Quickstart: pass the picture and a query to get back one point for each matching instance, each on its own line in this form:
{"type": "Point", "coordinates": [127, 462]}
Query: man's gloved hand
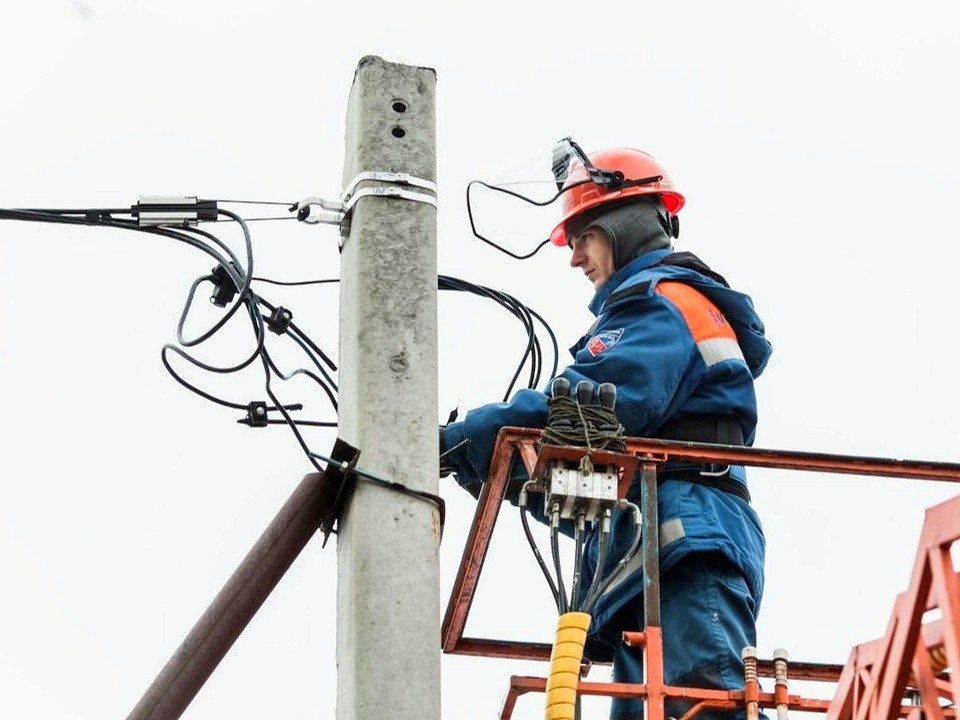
{"type": "Point", "coordinates": [446, 468]}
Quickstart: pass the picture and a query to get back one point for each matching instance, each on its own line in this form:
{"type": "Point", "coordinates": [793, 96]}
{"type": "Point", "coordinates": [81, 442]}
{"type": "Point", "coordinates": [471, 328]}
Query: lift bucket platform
{"type": "Point", "coordinates": [910, 659]}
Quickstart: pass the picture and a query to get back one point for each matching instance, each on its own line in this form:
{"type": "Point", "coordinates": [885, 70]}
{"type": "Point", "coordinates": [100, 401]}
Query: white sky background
{"type": "Point", "coordinates": [816, 144]}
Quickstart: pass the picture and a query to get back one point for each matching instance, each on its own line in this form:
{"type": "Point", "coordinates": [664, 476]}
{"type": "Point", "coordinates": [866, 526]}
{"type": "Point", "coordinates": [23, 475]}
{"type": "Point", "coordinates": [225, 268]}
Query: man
{"type": "Point", "coordinates": [683, 350]}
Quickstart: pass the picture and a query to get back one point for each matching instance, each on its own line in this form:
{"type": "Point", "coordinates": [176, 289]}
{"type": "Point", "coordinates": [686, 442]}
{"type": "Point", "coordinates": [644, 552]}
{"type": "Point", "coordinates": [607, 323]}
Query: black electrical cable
{"type": "Point", "coordinates": [532, 352]}
{"type": "Point", "coordinates": [309, 353]}
{"type": "Point", "coordinates": [242, 291]}
{"type": "Point", "coordinates": [601, 588]}
{"type": "Point", "coordinates": [241, 276]}
{"type": "Point", "coordinates": [323, 356]}
{"type": "Point", "coordinates": [435, 500]}
{"type": "Point", "coordinates": [555, 551]}
{"type": "Point", "coordinates": [295, 282]}
{"type": "Point", "coordinates": [301, 371]}
{"type": "Point", "coordinates": [577, 563]}
{"type": "Point", "coordinates": [216, 241]}
{"type": "Point", "coordinates": [242, 284]}
{"type": "Point", "coordinates": [539, 557]}
{"type": "Point", "coordinates": [601, 565]}
{"type": "Point", "coordinates": [518, 310]}
{"type": "Point", "coordinates": [233, 272]}
{"type": "Point", "coordinates": [525, 315]}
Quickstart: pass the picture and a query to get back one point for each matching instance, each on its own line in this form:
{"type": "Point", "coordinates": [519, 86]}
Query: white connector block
{"type": "Point", "coordinates": [581, 494]}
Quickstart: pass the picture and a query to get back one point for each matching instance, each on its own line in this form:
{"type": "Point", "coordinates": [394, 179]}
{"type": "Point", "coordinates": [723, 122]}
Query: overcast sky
{"type": "Point", "coordinates": [816, 145]}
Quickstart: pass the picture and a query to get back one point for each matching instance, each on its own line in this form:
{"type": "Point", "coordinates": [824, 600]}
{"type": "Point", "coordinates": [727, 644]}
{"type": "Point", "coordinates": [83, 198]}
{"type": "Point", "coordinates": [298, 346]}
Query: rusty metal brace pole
{"type": "Point", "coordinates": [653, 655]}
{"type": "Point", "coordinates": [236, 604]}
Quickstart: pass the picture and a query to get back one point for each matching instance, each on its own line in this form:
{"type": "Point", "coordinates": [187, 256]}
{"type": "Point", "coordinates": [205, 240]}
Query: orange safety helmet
{"type": "Point", "coordinates": [630, 165]}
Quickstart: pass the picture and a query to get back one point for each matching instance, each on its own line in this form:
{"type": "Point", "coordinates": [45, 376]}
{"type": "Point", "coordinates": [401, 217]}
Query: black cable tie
{"type": "Point", "coordinates": [279, 320]}
{"type": "Point", "coordinates": [224, 289]}
{"type": "Point", "coordinates": [256, 415]}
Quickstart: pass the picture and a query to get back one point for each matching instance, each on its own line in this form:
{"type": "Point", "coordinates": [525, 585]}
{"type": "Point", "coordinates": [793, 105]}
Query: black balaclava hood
{"type": "Point", "coordinates": [635, 227]}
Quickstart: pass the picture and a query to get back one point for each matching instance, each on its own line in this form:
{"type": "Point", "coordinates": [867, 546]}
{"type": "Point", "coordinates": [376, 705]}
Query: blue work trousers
{"type": "Point", "coordinates": [708, 617]}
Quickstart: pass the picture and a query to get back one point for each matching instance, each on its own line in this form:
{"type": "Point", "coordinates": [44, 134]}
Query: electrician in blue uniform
{"type": "Point", "coordinates": [683, 350]}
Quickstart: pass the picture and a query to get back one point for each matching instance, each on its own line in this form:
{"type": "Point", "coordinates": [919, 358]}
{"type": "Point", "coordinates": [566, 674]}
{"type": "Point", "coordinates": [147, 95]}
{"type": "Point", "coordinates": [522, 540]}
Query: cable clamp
{"type": "Point", "coordinates": [256, 415]}
{"type": "Point", "coordinates": [279, 320]}
{"type": "Point", "coordinates": [224, 286]}
{"type": "Point", "coordinates": [180, 210]}
{"type": "Point", "coordinates": [314, 210]}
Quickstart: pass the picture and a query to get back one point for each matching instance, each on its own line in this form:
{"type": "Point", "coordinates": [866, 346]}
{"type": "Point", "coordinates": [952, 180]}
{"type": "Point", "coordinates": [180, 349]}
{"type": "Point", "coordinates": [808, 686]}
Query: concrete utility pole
{"type": "Point", "coordinates": [388, 605]}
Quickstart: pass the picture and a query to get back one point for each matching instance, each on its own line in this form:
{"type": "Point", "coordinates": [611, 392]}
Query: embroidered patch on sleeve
{"type": "Point", "coordinates": [604, 341]}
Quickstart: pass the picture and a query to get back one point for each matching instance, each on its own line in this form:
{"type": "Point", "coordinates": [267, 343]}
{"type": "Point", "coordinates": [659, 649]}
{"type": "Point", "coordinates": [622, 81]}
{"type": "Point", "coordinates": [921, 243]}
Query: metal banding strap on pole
{"type": "Point", "coordinates": [395, 178]}
{"type": "Point", "coordinates": [335, 212]}
{"type": "Point", "coordinates": [388, 192]}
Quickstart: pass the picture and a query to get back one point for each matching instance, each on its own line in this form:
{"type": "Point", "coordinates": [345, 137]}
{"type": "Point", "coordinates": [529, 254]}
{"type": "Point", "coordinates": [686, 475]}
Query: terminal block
{"type": "Point", "coordinates": [581, 489]}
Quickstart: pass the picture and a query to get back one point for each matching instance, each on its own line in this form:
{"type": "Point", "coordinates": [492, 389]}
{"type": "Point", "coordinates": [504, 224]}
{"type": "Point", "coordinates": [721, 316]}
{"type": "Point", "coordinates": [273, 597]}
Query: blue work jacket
{"type": "Point", "coordinates": [676, 343]}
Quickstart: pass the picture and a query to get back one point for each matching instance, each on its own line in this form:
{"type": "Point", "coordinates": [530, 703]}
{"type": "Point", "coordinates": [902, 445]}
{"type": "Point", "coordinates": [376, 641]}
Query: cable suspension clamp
{"type": "Point", "coordinates": [180, 210]}
{"type": "Point", "coordinates": [314, 210]}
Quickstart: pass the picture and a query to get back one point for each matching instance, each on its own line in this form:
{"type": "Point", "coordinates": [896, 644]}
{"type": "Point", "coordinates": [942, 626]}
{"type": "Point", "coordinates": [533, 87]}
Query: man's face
{"type": "Point", "coordinates": [593, 253]}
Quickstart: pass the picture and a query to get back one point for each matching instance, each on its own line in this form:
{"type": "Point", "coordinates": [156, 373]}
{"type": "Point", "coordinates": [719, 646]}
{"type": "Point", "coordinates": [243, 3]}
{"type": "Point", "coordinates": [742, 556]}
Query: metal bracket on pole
{"type": "Point", "coordinates": [314, 210]}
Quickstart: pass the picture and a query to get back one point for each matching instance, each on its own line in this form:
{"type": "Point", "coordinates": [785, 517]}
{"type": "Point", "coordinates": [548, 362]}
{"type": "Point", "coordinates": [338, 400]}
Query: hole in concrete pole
{"type": "Point", "coordinates": [398, 132]}
{"type": "Point", "coordinates": [399, 106]}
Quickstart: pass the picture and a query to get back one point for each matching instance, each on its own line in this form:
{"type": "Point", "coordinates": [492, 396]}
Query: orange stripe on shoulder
{"type": "Point", "coordinates": [703, 318]}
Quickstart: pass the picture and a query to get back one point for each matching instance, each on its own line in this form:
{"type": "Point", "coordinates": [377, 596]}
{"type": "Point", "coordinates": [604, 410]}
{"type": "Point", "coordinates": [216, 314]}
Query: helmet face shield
{"type": "Point", "coordinates": [517, 208]}
{"type": "Point", "coordinates": [520, 206]}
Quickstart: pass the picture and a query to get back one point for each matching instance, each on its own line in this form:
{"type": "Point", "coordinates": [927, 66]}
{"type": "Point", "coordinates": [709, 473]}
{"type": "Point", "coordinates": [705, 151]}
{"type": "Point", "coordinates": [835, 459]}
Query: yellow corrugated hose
{"type": "Point", "coordinates": [565, 662]}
